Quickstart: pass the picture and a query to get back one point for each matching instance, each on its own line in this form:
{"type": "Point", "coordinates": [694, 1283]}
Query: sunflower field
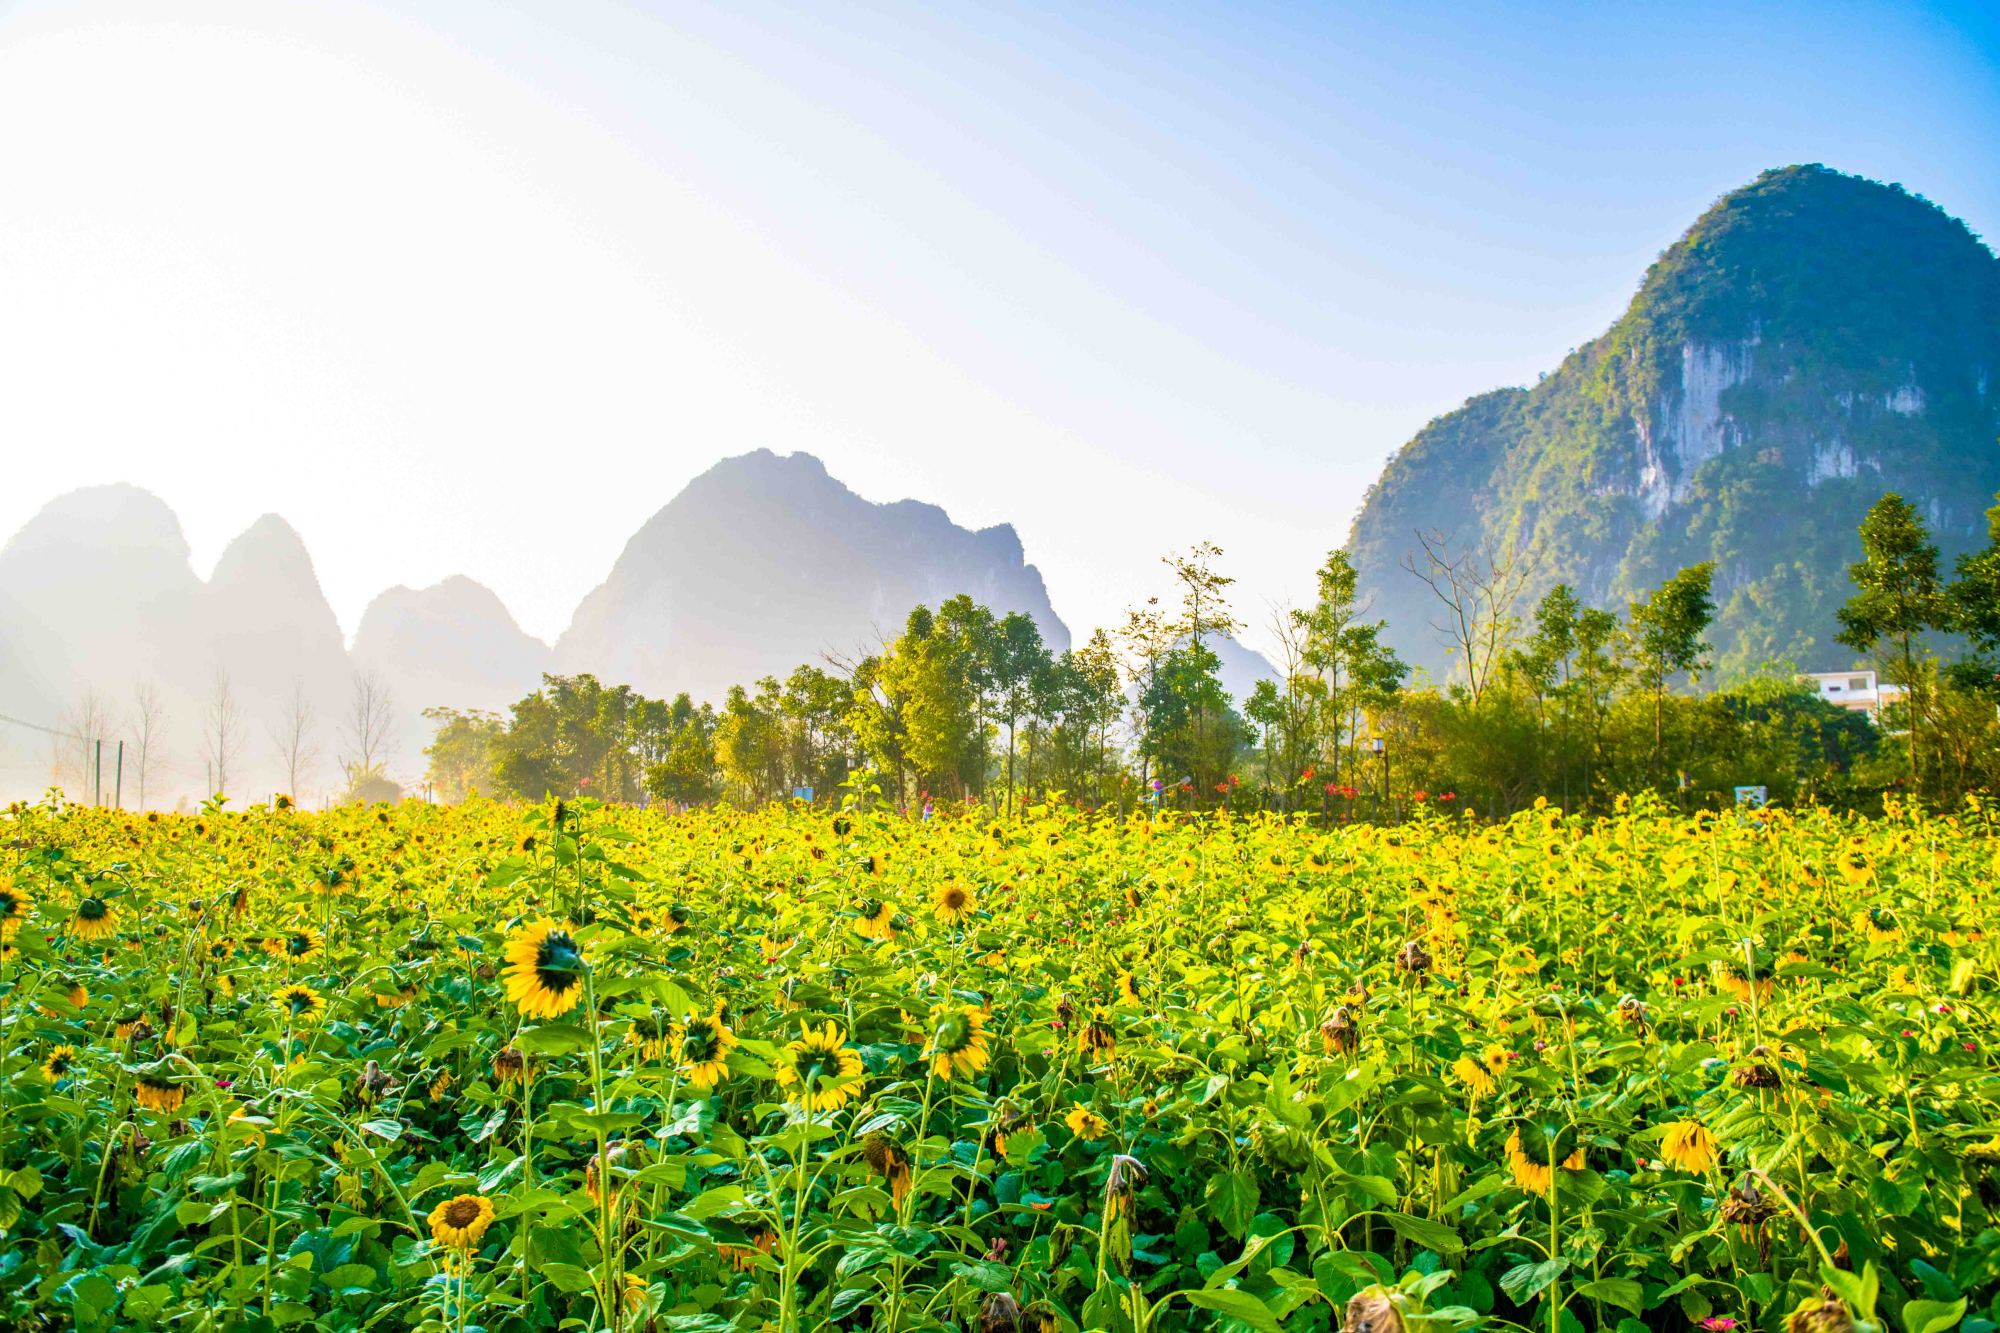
{"type": "Point", "coordinates": [598, 1067]}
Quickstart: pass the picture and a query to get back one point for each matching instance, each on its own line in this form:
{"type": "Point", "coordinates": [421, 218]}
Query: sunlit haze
{"type": "Point", "coordinates": [475, 288]}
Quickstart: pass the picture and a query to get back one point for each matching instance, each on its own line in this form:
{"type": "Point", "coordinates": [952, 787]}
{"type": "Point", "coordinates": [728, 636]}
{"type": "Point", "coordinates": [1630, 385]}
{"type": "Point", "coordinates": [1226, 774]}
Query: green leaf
{"type": "Point", "coordinates": [1622, 1292]}
{"type": "Point", "coordinates": [1231, 1199]}
{"type": "Point", "coordinates": [1422, 1231]}
{"type": "Point", "coordinates": [1858, 1290]}
{"type": "Point", "coordinates": [552, 1039]}
{"type": "Point", "coordinates": [1932, 1316]}
{"type": "Point", "coordinates": [1524, 1282]}
{"type": "Point", "coordinates": [723, 1198]}
{"type": "Point", "coordinates": [384, 1129]}
{"type": "Point", "coordinates": [567, 1277]}
{"type": "Point", "coordinates": [1237, 1305]}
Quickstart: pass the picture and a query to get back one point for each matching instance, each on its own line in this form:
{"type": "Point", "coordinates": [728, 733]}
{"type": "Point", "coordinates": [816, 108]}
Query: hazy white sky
{"type": "Point", "coordinates": [467, 287]}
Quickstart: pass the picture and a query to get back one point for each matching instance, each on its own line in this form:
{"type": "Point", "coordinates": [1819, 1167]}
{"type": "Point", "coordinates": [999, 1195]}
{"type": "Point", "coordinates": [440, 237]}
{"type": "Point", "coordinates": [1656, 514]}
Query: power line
{"type": "Point", "coordinates": [48, 731]}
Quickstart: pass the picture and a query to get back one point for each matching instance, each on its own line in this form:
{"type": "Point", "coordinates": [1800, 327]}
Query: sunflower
{"type": "Point", "coordinates": [302, 1001]}
{"type": "Point", "coordinates": [743, 1258]}
{"type": "Point", "coordinates": [675, 920]}
{"type": "Point", "coordinates": [1474, 1076]}
{"type": "Point", "coordinates": [1085, 1123]}
{"type": "Point", "coordinates": [1688, 1146]}
{"type": "Point", "coordinates": [544, 970]}
{"type": "Point", "coordinates": [877, 919]}
{"type": "Point", "coordinates": [702, 1046]}
{"type": "Point", "coordinates": [15, 904]}
{"type": "Point", "coordinates": [952, 903]}
{"type": "Point", "coordinates": [62, 1059]}
{"type": "Point", "coordinates": [1534, 1172]}
{"type": "Point", "coordinates": [821, 1070]}
{"type": "Point", "coordinates": [459, 1222]}
{"type": "Point", "coordinates": [395, 999]}
{"type": "Point", "coordinates": [128, 1024]}
{"type": "Point", "coordinates": [958, 1041]}
{"type": "Point", "coordinates": [157, 1094]}
{"type": "Point", "coordinates": [652, 1033]}
{"type": "Point", "coordinates": [303, 942]}
{"type": "Point", "coordinates": [1128, 989]}
{"type": "Point", "coordinates": [94, 919]}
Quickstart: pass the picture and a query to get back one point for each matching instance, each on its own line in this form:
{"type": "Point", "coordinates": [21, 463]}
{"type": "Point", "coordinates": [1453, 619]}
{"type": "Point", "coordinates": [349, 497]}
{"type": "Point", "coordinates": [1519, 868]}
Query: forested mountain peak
{"type": "Point", "coordinates": [1813, 340]}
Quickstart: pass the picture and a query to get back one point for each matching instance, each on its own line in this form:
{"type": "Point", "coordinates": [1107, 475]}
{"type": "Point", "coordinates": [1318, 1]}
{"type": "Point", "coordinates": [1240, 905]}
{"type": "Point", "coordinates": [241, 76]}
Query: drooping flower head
{"type": "Point", "coordinates": [544, 970]}
{"type": "Point", "coordinates": [958, 1041]}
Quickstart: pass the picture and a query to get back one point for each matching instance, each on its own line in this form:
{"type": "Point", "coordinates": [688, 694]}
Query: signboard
{"type": "Point", "coordinates": [802, 793]}
{"type": "Point", "coordinates": [1752, 797]}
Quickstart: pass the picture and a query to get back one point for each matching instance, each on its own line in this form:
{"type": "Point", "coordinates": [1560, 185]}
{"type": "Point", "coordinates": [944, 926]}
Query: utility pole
{"type": "Point", "coordinates": [97, 774]}
{"type": "Point", "coordinates": [118, 783]}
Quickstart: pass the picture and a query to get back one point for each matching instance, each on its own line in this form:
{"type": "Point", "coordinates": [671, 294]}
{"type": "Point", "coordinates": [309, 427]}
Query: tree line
{"type": "Point", "coordinates": [1558, 699]}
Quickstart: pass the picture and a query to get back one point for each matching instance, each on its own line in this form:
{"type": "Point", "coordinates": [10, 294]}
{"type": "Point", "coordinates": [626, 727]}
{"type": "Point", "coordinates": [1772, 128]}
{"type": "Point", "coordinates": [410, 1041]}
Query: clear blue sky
{"type": "Point", "coordinates": [500, 278]}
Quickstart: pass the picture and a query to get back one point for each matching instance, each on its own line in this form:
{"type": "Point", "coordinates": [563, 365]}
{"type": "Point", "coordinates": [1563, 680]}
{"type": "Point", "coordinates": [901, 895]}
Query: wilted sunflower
{"type": "Point", "coordinates": [952, 903]}
{"type": "Point", "coordinates": [1096, 1037]}
{"type": "Point", "coordinates": [303, 1002]}
{"type": "Point", "coordinates": [1339, 1033]}
{"type": "Point", "coordinates": [890, 1162]}
{"type": "Point", "coordinates": [157, 1094]}
{"type": "Point", "coordinates": [1688, 1146]}
{"type": "Point", "coordinates": [459, 1222]}
{"type": "Point", "coordinates": [94, 919]}
{"type": "Point", "coordinates": [15, 904]}
{"type": "Point", "coordinates": [958, 1042]}
{"type": "Point", "coordinates": [509, 1066]}
{"type": "Point", "coordinates": [701, 1046]}
{"type": "Point", "coordinates": [61, 1060]}
{"type": "Point", "coordinates": [820, 1070]}
{"type": "Point", "coordinates": [544, 970]}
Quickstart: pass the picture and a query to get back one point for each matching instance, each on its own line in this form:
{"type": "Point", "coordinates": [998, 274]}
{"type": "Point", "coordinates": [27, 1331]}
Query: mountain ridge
{"type": "Point", "coordinates": [1811, 341]}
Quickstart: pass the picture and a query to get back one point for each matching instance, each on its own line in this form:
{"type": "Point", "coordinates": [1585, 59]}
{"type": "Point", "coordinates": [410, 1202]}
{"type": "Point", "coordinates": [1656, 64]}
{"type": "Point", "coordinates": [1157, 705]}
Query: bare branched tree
{"type": "Point", "coordinates": [73, 756]}
{"type": "Point", "coordinates": [1477, 589]}
{"type": "Point", "coordinates": [221, 732]}
{"type": "Point", "coordinates": [149, 728]}
{"type": "Point", "coordinates": [294, 737]}
{"type": "Point", "coordinates": [370, 725]}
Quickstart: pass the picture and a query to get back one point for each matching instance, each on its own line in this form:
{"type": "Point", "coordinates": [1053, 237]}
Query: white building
{"type": "Point", "coordinates": [1855, 690]}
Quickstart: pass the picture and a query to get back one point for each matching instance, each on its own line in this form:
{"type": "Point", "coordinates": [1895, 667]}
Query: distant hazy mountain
{"type": "Point", "coordinates": [97, 598]}
{"type": "Point", "coordinates": [765, 561]}
{"type": "Point", "coordinates": [453, 643]}
{"type": "Point", "coordinates": [1813, 340]}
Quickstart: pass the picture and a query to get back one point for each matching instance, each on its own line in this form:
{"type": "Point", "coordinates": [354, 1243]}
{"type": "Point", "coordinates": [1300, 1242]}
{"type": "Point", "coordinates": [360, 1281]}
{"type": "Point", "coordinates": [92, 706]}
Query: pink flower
{"type": "Point", "coordinates": [1718, 1323]}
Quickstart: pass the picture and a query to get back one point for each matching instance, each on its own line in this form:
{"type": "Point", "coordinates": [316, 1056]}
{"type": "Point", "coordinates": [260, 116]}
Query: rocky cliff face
{"type": "Point", "coordinates": [1813, 341]}
{"type": "Point", "coordinates": [764, 562]}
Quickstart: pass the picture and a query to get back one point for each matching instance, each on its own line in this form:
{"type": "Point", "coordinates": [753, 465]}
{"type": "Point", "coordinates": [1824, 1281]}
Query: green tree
{"type": "Point", "coordinates": [1666, 639]}
{"type": "Point", "coordinates": [461, 752]}
{"type": "Point", "coordinates": [1896, 598]}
